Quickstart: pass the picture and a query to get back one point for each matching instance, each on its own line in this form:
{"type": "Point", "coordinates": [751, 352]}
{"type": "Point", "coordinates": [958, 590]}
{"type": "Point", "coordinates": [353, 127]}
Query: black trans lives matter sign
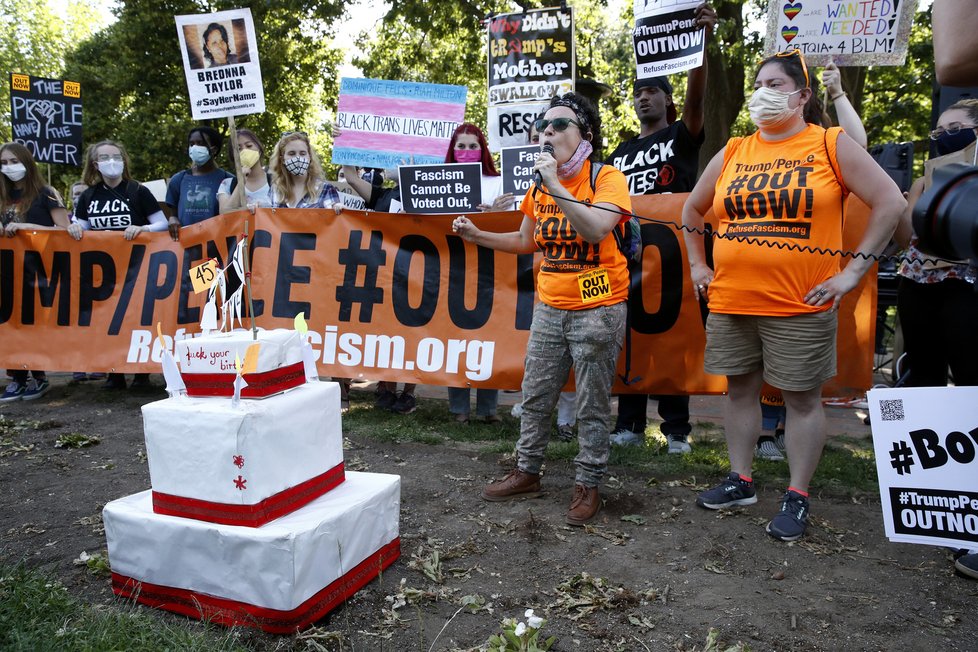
{"type": "Point", "coordinates": [441, 188]}
{"type": "Point", "coordinates": [46, 118]}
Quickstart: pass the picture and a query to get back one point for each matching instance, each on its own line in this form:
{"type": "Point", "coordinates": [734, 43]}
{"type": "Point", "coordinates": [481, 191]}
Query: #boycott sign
{"type": "Point", "coordinates": [926, 441]}
{"type": "Point", "coordinates": [531, 59]}
{"type": "Point", "coordinates": [46, 118]}
{"type": "Point", "coordinates": [220, 59]}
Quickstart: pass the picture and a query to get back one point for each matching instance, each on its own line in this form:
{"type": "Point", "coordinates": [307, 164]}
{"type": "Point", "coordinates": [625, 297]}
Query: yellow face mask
{"type": "Point", "coordinates": [248, 158]}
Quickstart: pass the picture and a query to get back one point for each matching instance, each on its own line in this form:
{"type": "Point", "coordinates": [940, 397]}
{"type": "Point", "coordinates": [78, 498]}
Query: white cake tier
{"type": "Point", "coordinates": [214, 353]}
{"type": "Point", "coordinates": [244, 464]}
{"type": "Point", "coordinates": [280, 577]}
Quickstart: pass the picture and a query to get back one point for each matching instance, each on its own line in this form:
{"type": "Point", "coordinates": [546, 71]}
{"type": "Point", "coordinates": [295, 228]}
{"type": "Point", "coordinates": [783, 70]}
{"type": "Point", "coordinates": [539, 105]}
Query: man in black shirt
{"type": "Point", "coordinates": [663, 158]}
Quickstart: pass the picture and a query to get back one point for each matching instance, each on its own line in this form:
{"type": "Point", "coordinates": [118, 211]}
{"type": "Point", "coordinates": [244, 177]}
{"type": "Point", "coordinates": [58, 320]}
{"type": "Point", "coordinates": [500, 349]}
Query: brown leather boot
{"type": "Point", "coordinates": [584, 506]}
{"type": "Point", "coordinates": [515, 485]}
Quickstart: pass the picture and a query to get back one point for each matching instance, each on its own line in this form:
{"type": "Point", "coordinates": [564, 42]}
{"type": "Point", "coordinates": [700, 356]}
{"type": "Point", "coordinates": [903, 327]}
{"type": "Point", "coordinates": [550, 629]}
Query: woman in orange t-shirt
{"type": "Point", "coordinates": [583, 286]}
{"type": "Point", "coordinates": [779, 195]}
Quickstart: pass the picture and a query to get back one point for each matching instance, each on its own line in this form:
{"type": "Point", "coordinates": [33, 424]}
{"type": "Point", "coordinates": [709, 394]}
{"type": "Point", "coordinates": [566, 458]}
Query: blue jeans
{"type": "Point", "coordinates": [486, 400]}
{"type": "Point", "coordinates": [590, 341]}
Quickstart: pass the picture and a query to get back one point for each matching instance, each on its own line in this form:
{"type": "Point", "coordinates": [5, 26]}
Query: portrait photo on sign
{"type": "Point", "coordinates": [215, 44]}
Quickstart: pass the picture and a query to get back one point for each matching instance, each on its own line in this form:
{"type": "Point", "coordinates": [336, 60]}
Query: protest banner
{"type": "Point", "coordinates": [516, 166]}
{"type": "Point", "coordinates": [926, 443]}
{"type": "Point", "coordinates": [46, 118]}
{"type": "Point", "coordinates": [387, 297]}
{"type": "Point", "coordinates": [220, 60]}
{"type": "Point", "coordinates": [444, 188]}
{"type": "Point", "coordinates": [385, 123]}
{"type": "Point", "coordinates": [531, 59]}
{"type": "Point", "coordinates": [848, 33]}
{"type": "Point", "coordinates": [666, 38]}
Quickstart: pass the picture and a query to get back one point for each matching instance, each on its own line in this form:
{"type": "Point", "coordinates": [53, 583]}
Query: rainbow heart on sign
{"type": "Point", "coordinates": [792, 10]}
{"type": "Point", "coordinates": [788, 33]}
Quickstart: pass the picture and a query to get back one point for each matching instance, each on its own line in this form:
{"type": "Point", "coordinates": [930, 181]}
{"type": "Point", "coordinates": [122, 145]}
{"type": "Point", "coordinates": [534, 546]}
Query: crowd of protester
{"type": "Point", "coordinates": [770, 314]}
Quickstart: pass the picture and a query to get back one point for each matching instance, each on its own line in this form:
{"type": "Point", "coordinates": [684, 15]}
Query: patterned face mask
{"type": "Point", "coordinates": [297, 165]}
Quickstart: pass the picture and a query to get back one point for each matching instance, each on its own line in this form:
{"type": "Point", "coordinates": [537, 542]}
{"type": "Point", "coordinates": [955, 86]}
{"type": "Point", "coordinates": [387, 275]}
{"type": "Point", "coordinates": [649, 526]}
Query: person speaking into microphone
{"type": "Point", "coordinates": [583, 285]}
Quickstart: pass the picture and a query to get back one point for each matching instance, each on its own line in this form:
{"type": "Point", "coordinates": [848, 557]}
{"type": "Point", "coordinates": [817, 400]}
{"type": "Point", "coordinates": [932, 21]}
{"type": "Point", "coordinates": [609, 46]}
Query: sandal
{"type": "Point", "coordinates": [462, 419]}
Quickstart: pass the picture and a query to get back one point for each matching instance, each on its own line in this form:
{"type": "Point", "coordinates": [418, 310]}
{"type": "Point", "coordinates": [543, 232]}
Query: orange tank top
{"type": "Point", "coordinates": [783, 200]}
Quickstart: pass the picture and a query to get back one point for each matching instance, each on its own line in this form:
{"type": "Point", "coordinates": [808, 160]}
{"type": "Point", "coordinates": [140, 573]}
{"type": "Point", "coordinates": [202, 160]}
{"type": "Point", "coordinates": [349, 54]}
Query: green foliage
{"type": "Point", "coordinates": [37, 613]}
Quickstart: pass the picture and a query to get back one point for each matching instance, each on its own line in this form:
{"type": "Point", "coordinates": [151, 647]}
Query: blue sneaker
{"type": "Point", "coordinates": [14, 392]}
{"type": "Point", "coordinates": [36, 389]}
{"type": "Point", "coordinates": [967, 565]}
{"type": "Point", "coordinates": [791, 521]}
{"type": "Point", "coordinates": [729, 493]}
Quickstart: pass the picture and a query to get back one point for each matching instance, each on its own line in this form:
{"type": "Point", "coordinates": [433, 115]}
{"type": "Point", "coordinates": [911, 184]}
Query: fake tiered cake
{"type": "Point", "coordinates": [251, 519]}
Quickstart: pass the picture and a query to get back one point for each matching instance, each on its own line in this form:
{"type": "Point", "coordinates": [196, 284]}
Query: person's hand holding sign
{"type": "Point", "coordinates": [173, 225]}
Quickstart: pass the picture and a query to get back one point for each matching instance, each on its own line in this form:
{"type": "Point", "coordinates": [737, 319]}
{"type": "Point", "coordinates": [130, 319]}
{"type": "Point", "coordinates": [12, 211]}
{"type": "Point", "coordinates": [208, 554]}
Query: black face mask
{"type": "Point", "coordinates": [949, 143]}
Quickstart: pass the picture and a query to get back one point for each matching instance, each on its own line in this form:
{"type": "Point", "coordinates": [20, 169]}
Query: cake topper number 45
{"type": "Point", "coordinates": [202, 276]}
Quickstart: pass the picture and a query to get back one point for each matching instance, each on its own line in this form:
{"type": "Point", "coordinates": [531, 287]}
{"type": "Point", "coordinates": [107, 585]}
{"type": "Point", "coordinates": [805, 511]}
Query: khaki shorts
{"type": "Point", "coordinates": [797, 353]}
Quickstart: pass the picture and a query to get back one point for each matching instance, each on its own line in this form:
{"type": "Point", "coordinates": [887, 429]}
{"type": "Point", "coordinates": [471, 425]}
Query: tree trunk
{"type": "Point", "coordinates": [725, 84]}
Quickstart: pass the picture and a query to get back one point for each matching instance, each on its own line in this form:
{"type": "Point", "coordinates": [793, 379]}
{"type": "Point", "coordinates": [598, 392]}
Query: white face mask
{"type": "Point", "coordinates": [111, 169]}
{"type": "Point", "coordinates": [297, 165]}
{"type": "Point", "coordinates": [769, 107]}
{"type": "Point", "coordinates": [14, 172]}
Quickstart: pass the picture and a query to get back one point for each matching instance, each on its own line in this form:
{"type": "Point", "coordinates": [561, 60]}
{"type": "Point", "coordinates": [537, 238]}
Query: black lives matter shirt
{"type": "Point", "coordinates": [663, 162]}
{"type": "Point", "coordinates": [110, 208]}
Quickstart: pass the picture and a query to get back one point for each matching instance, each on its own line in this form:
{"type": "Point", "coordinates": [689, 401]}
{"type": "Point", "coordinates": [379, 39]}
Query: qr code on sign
{"type": "Point", "coordinates": [892, 410]}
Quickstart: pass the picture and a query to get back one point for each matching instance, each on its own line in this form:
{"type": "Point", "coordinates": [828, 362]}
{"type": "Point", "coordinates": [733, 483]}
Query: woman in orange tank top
{"type": "Point", "coordinates": [779, 195]}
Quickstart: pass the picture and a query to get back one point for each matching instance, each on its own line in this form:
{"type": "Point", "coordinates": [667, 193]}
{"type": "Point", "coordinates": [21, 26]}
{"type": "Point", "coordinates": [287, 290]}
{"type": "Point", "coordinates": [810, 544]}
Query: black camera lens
{"type": "Point", "coordinates": [945, 218]}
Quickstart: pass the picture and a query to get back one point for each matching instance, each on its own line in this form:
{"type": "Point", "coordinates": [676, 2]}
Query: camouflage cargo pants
{"type": "Point", "coordinates": [589, 341]}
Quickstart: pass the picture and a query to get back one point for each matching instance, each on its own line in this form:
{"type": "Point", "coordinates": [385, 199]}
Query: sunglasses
{"type": "Point", "coordinates": [559, 124]}
{"type": "Point", "coordinates": [796, 53]}
{"type": "Point", "coordinates": [950, 130]}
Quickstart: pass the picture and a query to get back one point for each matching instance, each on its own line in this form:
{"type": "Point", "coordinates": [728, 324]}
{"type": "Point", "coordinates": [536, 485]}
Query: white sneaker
{"type": "Point", "coordinates": [679, 445]}
{"type": "Point", "coordinates": [625, 437]}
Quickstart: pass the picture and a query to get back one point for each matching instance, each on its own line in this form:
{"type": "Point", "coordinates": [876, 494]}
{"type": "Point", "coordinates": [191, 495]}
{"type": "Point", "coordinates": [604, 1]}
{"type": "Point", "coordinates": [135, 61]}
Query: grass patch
{"type": "Point", "coordinates": [37, 613]}
{"type": "Point", "coordinates": [847, 466]}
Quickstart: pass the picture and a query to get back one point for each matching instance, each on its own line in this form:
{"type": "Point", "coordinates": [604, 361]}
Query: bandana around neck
{"type": "Point", "coordinates": [575, 162]}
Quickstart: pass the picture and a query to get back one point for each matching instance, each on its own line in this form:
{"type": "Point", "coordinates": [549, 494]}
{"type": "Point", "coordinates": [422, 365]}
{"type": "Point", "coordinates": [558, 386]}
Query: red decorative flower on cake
{"type": "Point", "coordinates": [238, 460]}
{"type": "Point", "coordinates": [240, 483]}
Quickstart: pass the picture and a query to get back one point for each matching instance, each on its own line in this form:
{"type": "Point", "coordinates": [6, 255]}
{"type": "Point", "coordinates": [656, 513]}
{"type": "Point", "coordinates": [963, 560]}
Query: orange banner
{"type": "Point", "coordinates": [386, 297]}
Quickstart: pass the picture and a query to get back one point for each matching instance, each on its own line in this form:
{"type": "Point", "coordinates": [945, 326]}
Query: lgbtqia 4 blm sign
{"type": "Point", "coordinates": [46, 118]}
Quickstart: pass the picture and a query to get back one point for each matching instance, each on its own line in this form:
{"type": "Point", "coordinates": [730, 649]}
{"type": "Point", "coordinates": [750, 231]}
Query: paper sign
{"type": "Point", "coordinates": [202, 276]}
{"type": "Point", "coordinates": [849, 33]}
{"type": "Point", "coordinates": [516, 166]}
{"type": "Point", "coordinates": [531, 58]}
{"type": "Point", "coordinates": [926, 441]}
{"type": "Point", "coordinates": [384, 122]}
{"type": "Point", "coordinates": [666, 38]}
{"type": "Point", "coordinates": [445, 188]}
{"type": "Point", "coordinates": [220, 60]}
{"type": "Point", "coordinates": [46, 118]}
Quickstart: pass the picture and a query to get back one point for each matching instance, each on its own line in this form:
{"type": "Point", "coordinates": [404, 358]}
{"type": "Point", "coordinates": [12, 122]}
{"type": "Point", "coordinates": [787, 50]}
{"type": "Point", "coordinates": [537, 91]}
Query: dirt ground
{"type": "Point", "coordinates": [659, 580]}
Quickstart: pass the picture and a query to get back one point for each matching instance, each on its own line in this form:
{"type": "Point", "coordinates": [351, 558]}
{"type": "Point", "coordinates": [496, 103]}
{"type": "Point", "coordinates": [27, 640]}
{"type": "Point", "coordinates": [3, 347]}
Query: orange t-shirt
{"type": "Point", "coordinates": [576, 275]}
{"type": "Point", "coordinates": [786, 194]}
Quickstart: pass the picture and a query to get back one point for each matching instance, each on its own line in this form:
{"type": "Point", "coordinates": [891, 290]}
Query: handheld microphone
{"type": "Point", "coordinates": [537, 177]}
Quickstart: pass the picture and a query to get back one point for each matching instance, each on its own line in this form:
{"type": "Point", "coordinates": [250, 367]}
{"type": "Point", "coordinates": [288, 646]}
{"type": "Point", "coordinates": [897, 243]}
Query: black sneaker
{"type": "Point", "coordinates": [405, 404]}
{"type": "Point", "coordinates": [385, 399]}
{"type": "Point", "coordinates": [141, 382]}
{"type": "Point", "coordinates": [967, 565]}
{"type": "Point", "coordinates": [791, 521]}
{"type": "Point", "coordinates": [565, 432]}
{"type": "Point", "coordinates": [115, 381]}
{"type": "Point", "coordinates": [732, 491]}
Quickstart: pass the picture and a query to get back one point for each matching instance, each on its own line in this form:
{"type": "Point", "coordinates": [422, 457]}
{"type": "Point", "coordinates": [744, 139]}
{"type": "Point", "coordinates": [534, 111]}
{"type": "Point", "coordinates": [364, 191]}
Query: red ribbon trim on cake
{"type": "Point", "coordinates": [231, 612]}
{"type": "Point", "coordinates": [260, 385]}
{"type": "Point", "coordinates": [254, 515]}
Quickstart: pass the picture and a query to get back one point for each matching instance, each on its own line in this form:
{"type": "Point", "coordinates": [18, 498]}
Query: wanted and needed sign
{"type": "Point", "coordinates": [531, 59]}
{"type": "Point", "coordinates": [220, 59]}
{"type": "Point", "coordinates": [444, 188]}
{"type": "Point", "coordinates": [666, 38]}
{"type": "Point", "coordinates": [926, 444]}
{"type": "Point", "coordinates": [46, 118]}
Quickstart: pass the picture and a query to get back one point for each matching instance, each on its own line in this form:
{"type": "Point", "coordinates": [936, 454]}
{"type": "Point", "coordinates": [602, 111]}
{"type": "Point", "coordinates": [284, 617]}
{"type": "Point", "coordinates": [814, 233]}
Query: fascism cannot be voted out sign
{"type": "Point", "coordinates": [46, 118]}
{"type": "Point", "coordinates": [926, 444]}
{"type": "Point", "coordinates": [874, 33]}
{"type": "Point", "coordinates": [385, 123]}
{"type": "Point", "coordinates": [516, 166]}
{"type": "Point", "coordinates": [220, 59]}
{"type": "Point", "coordinates": [531, 59]}
{"type": "Point", "coordinates": [443, 188]}
{"type": "Point", "coordinates": [666, 38]}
